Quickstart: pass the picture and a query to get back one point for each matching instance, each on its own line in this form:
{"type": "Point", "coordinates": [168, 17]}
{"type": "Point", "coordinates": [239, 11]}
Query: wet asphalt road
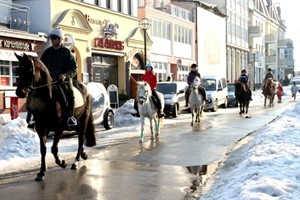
{"type": "Point", "coordinates": [167, 168]}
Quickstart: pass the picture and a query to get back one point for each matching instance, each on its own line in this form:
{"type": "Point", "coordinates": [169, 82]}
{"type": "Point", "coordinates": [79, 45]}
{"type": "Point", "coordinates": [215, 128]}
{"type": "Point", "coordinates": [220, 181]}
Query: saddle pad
{"type": "Point", "coordinates": [78, 98]}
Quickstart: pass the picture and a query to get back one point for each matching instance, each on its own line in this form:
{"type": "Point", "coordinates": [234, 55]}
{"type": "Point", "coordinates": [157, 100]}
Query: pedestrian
{"type": "Point", "coordinates": [294, 90]}
{"type": "Point", "coordinates": [279, 92]}
{"type": "Point", "coordinates": [151, 79]}
{"type": "Point", "coordinates": [192, 75]}
{"type": "Point", "coordinates": [244, 79]}
{"type": "Point", "coordinates": [63, 68]}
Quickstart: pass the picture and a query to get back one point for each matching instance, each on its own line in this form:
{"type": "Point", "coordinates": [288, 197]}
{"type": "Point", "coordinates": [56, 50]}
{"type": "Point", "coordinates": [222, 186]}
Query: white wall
{"type": "Point", "coordinates": [211, 43]}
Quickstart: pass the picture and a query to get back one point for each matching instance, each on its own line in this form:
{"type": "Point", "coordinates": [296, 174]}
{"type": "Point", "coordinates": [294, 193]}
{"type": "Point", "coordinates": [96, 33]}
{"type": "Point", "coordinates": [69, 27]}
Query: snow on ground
{"type": "Point", "coordinates": [267, 167]}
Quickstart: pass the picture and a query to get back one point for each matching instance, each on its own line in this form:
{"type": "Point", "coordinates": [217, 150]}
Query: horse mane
{"type": "Point", "coordinates": [41, 71]}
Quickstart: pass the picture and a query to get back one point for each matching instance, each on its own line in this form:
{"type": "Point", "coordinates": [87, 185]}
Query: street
{"type": "Point", "coordinates": [171, 167]}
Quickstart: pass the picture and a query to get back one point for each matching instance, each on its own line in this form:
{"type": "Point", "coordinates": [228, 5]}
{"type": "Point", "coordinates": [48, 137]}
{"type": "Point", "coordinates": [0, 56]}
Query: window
{"type": "Point", "coordinates": [8, 73]}
{"type": "Point", "coordinates": [161, 29]}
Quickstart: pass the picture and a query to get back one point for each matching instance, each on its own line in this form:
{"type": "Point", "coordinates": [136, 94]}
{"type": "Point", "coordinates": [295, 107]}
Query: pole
{"type": "Point", "coordinates": [254, 71]}
{"type": "Point", "coordinates": [145, 47]}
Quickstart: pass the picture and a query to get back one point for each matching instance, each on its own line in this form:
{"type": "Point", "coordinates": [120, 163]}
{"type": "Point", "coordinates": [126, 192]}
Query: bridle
{"type": "Point", "coordinates": [143, 98]}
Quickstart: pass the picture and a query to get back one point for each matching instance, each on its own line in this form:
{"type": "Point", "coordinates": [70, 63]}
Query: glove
{"type": "Point", "coordinates": [62, 77]}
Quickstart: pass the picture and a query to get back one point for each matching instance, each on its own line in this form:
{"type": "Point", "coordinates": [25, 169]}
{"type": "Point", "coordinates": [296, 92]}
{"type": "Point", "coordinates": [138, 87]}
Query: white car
{"type": "Point", "coordinates": [102, 112]}
{"type": "Point", "coordinates": [216, 92]}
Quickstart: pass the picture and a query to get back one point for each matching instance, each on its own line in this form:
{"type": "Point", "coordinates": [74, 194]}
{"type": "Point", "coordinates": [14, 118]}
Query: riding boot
{"type": "Point", "coordinates": [71, 122]}
{"type": "Point", "coordinates": [160, 113]}
{"type": "Point", "coordinates": [187, 95]}
{"type": "Point", "coordinates": [203, 92]}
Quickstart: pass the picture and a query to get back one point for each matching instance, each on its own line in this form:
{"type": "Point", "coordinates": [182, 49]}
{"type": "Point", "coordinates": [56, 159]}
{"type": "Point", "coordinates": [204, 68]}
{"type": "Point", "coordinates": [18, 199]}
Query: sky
{"type": "Point", "coordinates": [267, 167]}
{"type": "Point", "coordinates": [290, 13]}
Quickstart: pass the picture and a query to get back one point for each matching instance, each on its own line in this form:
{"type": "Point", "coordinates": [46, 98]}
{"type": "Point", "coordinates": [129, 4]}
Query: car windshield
{"type": "Point", "coordinates": [231, 87]}
{"type": "Point", "coordinates": [166, 88]}
{"type": "Point", "coordinates": [209, 84]}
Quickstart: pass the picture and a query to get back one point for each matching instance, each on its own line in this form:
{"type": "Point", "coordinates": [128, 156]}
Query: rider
{"type": "Point", "coordinates": [151, 79]}
{"type": "Point", "coordinates": [192, 75]}
{"type": "Point", "coordinates": [268, 75]}
{"type": "Point", "coordinates": [244, 80]}
{"type": "Point", "coordinates": [63, 68]}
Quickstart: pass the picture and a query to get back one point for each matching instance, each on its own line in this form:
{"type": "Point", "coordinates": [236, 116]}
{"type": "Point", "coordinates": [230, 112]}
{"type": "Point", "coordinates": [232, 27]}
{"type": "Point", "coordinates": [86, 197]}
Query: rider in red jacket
{"type": "Point", "coordinates": [151, 79]}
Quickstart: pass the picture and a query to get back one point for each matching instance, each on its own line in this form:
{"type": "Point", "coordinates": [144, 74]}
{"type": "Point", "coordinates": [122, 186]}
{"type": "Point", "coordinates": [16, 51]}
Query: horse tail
{"type": "Point", "coordinates": [90, 137]}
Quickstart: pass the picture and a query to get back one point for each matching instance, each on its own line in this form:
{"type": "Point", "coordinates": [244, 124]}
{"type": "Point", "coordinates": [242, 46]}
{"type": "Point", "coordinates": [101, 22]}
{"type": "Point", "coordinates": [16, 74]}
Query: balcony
{"type": "Point", "coordinates": [270, 60]}
{"type": "Point", "coordinates": [282, 44]}
{"type": "Point", "coordinates": [255, 31]}
{"type": "Point", "coordinates": [282, 62]}
{"type": "Point", "coordinates": [270, 39]}
{"type": "Point", "coordinates": [14, 16]}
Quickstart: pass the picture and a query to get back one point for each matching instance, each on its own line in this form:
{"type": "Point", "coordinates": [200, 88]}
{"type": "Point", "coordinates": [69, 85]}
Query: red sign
{"type": "Point", "coordinates": [108, 43]}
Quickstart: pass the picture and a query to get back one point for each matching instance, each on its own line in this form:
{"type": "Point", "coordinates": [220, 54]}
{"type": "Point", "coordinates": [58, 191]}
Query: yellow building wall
{"type": "Point", "coordinates": [74, 24]}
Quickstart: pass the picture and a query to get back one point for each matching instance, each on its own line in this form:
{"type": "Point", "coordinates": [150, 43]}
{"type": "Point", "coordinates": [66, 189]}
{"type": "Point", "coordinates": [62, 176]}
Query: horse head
{"type": "Point", "coordinates": [144, 91]}
{"type": "Point", "coordinates": [26, 72]}
{"type": "Point", "coordinates": [32, 73]}
{"type": "Point", "coordinates": [196, 83]}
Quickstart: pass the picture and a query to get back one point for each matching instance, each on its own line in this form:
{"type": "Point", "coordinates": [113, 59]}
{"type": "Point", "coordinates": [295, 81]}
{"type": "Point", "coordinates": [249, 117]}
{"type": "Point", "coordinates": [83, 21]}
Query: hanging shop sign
{"type": "Point", "coordinates": [108, 34]}
{"type": "Point", "coordinates": [12, 44]}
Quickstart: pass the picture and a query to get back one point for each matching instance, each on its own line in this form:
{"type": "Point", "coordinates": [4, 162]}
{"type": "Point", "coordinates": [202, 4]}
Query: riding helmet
{"type": "Point", "coordinates": [149, 65]}
{"type": "Point", "coordinates": [269, 69]}
{"type": "Point", "coordinates": [244, 71]}
{"type": "Point", "coordinates": [57, 32]}
{"type": "Point", "coordinates": [194, 65]}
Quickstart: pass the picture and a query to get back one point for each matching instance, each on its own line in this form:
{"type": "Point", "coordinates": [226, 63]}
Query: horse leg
{"type": "Point", "coordinates": [265, 101]}
{"type": "Point", "coordinates": [142, 129]}
{"type": "Point", "coordinates": [80, 151]}
{"type": "Point", "coordinates": [192, 123]}
{"type": "Point", "coordinates": [43, 139]}
{"type": "Point", "coordinates": [241, 108]}
{"type": "Point", "coordinates": [157, 128]}
{"type": "Point", "coordinates": [54, 149]}
{"type": "Point", "coordinates": [151, 129]}
{"type": "Point", "coordinates": [198, 115]}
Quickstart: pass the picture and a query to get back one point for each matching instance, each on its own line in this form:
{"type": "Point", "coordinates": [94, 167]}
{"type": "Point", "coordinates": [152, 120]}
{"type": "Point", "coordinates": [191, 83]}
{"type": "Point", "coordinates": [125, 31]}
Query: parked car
{"type": "Point", "coordinates": [102, 112]}
{"type": "Point", "coordinates": [174, 96]}
{"type": "Point", "coordinates": [216, 92]}
{"type": "Point", "coordinates": [232, 101]}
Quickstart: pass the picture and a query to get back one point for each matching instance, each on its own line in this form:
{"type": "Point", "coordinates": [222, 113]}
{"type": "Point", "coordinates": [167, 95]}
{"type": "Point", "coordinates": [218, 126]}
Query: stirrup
{"type": "Point", "coordinates": [71, 122]}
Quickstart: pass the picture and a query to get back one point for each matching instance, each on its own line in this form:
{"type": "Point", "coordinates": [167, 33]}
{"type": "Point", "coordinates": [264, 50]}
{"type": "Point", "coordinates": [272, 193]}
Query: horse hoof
{"type": "Point", "coordinates": [74, 166]}
{"type": "Point", "coordinates": [40, 177]}
{"type": "Point", "coordinates": [63, 164]}
{"type": "Point", "coordinates": [156, 134]}
{"type": "Point", "coordinates": [84, 156]}
{"type": "Point", "coordinates": [141, 140]}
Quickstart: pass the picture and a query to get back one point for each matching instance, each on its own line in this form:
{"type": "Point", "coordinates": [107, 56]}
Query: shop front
{"type": "Point", "coordinates": [12, 42]}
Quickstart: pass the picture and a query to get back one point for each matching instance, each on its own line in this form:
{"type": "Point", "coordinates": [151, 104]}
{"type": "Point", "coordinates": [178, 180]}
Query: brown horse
{"type": "Point", "coordinates": [35, 80]}
{"type": "Point", "coordinates": [269, 92]}
{"type": "Point", "coordinates": [243, 96]}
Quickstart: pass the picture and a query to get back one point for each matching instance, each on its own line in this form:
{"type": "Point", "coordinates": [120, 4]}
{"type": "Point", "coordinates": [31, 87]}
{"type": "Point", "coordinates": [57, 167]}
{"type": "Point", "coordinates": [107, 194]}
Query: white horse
{"type": "Point", "coordinates": [147, 109]}
{"type": "Point", "coordinates": [196, 101]}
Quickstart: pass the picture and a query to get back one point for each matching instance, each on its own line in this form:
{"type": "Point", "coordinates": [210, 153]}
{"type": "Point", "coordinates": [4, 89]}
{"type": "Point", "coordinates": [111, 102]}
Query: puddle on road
{"type": "Point", "coordinates": [199, 183]}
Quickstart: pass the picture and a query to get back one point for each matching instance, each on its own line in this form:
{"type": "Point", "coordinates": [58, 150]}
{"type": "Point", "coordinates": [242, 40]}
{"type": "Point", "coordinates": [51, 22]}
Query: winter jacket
{"type": "Point", "coordinates": [244, 79]}
{"type": "Point", "coordinates": [268, 75]}
{"type": "Point", "coordinates": [294, 89]}
{"type": "Point", "coordinates": [192, 75]}
{"type": "Point", "coordinates": [59, 61]}
{"type": "Point", "coordinates": [150, 78]}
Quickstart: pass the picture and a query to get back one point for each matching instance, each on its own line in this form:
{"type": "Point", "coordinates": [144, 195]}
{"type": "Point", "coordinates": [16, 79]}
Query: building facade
{"type": "Point", "coordinates": [14, 38]}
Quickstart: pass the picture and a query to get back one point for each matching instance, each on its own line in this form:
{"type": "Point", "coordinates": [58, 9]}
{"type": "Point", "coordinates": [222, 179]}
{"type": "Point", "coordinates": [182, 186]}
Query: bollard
{"type": "Point", "coordinates": [14, 107]}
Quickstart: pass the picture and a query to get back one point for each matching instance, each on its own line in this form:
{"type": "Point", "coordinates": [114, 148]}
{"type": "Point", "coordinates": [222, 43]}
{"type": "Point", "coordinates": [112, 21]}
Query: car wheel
{"type": "Point", "coordinates": [215, 106]}
{"type": "Point", "coordinates": [174, 111]}
{"type": "Point", "coordinates": [225, 105]}
{"type": "Point", "coordinates": [236, 104]}
{"type": "Point", "coordinates": [108, 120]}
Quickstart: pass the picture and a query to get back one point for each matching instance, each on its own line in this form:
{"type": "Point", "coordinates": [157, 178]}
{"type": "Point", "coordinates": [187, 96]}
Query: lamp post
{"type": "Point", "coordinates": [254, 71]}
{"type": "Point", "coordinates": [145, 24]}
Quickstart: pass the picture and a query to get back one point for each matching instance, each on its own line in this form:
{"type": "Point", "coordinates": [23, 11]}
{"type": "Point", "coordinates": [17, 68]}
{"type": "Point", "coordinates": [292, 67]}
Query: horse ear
{"type": "Point", "coordinates": [18, 57]}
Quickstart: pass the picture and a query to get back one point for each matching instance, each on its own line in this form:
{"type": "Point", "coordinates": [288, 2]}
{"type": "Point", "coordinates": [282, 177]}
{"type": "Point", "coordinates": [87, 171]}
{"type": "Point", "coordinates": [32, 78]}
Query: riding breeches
{"type": "Point", "coordinates": [157, 101]}
{"type": "Point", "coordinates": [67, 97]}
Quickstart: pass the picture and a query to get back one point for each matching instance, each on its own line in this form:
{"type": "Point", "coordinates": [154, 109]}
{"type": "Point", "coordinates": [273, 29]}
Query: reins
{"type": "Point", "coordinates": [31, 88]}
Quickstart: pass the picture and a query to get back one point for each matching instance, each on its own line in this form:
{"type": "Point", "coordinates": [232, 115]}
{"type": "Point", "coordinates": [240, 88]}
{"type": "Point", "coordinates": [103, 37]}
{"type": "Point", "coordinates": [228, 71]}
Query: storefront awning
{"type": "Point", "coordinates": [9, 55]}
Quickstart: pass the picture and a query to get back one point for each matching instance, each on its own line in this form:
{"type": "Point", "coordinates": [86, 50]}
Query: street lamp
{"type": "Point", "coordinates": [145, 24]}
{"type": "Point", "coordinates": [254, 70]}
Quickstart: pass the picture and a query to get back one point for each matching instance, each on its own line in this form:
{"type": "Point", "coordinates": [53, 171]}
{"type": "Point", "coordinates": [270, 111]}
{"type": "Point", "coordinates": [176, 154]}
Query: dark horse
{"type": "Point", "coordinates": [269, 92]}
{"type": "Point", "coordinates": [35, 80]}
{"type": "Point", "coordinates": [243, 96]}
